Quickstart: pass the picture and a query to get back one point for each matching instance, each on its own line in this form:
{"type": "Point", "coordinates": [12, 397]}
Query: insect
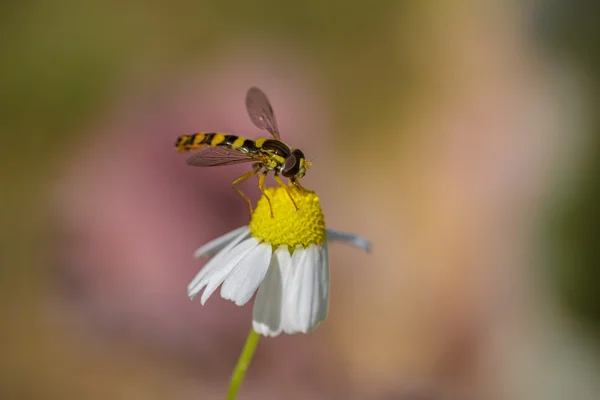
{"type": "Point", "coordinates": [267, 154]}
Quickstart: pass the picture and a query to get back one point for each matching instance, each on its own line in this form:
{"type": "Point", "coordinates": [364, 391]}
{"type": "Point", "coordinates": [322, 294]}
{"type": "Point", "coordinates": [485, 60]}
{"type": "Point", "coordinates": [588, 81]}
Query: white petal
{"type": "Point", "coordinates": [306, 297]}
{"type": "Point", "coordinates": [194, 287]}
{"type": "Point", "coordinates": [245, 278]}
{"type": "Point", "coordinates": [214, 246]}
{"type": "Point", "coordinates": [324, 284]}
{"type": "Point", "coordinates": [229, 263]}
{"type": "Point", "coordinates": [292, 290]}
{"type": "Point", "coordinates": [354, 240]}
{"type": "Point", "coordinates": [267, 318]}
{"type": "Point", "coordinates": [219, 272]}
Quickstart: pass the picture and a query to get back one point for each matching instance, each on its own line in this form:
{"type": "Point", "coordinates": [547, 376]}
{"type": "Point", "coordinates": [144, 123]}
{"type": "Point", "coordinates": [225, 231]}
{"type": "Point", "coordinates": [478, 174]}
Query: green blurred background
{"type": "Point", "coordinates": [383, 70]}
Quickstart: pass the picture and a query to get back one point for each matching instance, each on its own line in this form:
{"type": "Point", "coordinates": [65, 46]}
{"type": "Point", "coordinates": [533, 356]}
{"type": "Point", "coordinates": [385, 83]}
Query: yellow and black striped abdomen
{"type": "Point", "coordinates": [206, 139]}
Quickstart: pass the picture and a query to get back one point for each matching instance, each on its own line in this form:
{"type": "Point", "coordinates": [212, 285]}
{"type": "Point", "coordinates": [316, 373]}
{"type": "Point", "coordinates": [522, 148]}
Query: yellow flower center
{"type": "Point", "coordinates": [288, 226]}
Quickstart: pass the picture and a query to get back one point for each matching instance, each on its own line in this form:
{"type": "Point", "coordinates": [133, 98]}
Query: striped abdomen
{"type": "Point", "coordinates": [204, 139]}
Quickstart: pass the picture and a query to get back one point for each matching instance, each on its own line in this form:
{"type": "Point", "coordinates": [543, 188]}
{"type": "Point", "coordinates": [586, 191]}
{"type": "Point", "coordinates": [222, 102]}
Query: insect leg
{"type": "Point", "coordinates": [296, 183]}
{"type": "Point", "coordinates": [287, 189]}
{"type": "Point", "coordinates": [242, 179]}
{"type": "Point", "coordinates": [261, 186]}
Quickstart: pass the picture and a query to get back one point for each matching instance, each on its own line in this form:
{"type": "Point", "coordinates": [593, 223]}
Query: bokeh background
{"type": "Point", "coordinates": [461, 137]}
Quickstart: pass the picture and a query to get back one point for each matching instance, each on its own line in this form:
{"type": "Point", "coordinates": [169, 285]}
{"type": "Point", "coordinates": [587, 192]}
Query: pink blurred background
{"type": "Point", "coordinates": [460, 138]}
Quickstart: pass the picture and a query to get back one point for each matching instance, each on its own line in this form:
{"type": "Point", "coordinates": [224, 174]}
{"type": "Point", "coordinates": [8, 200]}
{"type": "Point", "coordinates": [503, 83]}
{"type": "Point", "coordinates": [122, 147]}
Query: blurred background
{"type": "Point", "coordinates": [461, 137]}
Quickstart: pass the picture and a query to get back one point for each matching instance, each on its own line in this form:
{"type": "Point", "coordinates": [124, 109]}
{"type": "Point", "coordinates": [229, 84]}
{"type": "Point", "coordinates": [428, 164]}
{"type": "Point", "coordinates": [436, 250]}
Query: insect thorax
{"type": "Point", "coordinates": [276, 147]}
{"type": "Point", "coordinates": [276, 151]}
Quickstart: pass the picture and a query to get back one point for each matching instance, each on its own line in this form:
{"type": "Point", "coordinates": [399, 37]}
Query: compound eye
{"type": "Point", "coordinates": [299, 154]}
{"type": "Point", "coordinates": [291, 166]}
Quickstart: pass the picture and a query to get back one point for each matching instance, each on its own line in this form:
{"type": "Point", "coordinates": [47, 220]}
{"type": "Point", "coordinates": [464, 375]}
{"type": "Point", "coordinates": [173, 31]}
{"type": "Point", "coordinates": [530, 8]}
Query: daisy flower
{"type": "Point", "coordinates": [284, 256]}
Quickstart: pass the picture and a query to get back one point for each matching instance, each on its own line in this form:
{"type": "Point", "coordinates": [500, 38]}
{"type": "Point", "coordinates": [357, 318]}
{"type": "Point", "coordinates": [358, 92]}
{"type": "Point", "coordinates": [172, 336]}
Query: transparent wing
{"type": "Point", "coordinates": [261, 112]}
{"type": "Point", "coordinates": [218, 156]}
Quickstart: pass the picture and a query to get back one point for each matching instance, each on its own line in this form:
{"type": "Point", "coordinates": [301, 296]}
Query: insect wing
{"type": "Point", "coordinates": [218, 156]}
{"type": "Point", "coordinates": [260, 111]}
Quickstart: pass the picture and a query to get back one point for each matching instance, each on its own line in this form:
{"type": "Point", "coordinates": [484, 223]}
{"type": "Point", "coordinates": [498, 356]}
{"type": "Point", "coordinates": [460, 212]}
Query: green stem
{"type": "Point", "coordinates": [242, 364]}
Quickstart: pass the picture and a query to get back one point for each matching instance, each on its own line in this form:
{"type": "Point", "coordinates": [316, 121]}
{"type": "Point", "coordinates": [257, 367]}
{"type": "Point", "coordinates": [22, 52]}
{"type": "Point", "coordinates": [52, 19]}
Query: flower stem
{"type": "Point", "coordinates": [242, 364]}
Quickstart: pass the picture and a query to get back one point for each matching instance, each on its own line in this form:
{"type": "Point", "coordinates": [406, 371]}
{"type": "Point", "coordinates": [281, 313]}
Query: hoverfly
{"type": "Point", "coordinates": [267, 154]}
